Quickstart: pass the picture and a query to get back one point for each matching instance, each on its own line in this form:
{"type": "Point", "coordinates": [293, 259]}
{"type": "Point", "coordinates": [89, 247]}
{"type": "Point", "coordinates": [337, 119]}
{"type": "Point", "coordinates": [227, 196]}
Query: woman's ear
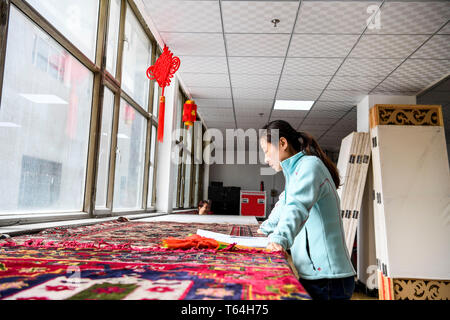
{"type": "Point", "coordinates": [283, 144]}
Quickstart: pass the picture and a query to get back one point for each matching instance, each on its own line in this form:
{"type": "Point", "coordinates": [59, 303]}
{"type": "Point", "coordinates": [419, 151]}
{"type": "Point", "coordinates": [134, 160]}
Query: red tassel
{"type": "Point", "coordinates": [162, 106]}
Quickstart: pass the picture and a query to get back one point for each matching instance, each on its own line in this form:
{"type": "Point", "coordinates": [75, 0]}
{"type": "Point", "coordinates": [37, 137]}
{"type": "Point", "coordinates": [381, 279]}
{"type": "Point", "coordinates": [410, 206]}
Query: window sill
{"type": "Point", "coordinates": [36, 227]}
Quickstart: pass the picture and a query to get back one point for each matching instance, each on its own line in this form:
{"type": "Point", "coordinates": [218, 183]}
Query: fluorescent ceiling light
{"type": "Point", "coordinates": [44, 98]}
{"type": "Point", "coordinates": [292, 105]}
{"type": "Point", "coordinates": [9, 125]}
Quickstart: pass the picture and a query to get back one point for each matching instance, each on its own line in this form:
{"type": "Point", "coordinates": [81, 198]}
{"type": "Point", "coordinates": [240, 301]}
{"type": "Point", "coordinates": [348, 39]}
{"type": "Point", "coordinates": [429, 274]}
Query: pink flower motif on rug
{"type": "Point", "coordinates": [59, 288]}
{"type": "Point", "coordinates": [160, 289]}
{"type": "Point", "coordinates": [33, 298]}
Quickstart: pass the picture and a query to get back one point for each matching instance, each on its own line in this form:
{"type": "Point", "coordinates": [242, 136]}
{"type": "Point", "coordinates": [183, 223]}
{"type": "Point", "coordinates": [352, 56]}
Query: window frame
{"type": "Point", "coordinates": [102, 79]}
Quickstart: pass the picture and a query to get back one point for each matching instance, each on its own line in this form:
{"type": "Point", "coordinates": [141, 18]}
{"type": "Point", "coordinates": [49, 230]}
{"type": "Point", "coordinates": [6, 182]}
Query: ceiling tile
{"type": "Point", "coordinates": [220, 124]}
{"type": "Point", "coordinates": [354, 83]}
{"type": "Point", "coordinates": [303, 82]}
{"type": "Point", "coordinates": [393, 83]}
{"type": "Point", "coordinates": [416, 68]}
{"type": "Point", "coordinates": [269, 45]}
{"type": "Point", "coordinates": [253, 103]}
{"type": "Point", "coordinates": [193, 64]}
{"type": "Point", "coordinates": [311, 66]}
{"type": "Point", "coordinates": [256, 16]}
{"type": "Point", "coordinates": [253, 112]}
{"type": "Point", "coordinates": [185, 16]}
{"type": "Point", "coordinates": [445, 29]}
{"type": "Point", "coordinates": [207, 112]}
{"type": "Point", "coordinates": [387, 46]}
{"type": "Point", "coordinates": [210, 93]}
{"type": "Point", "coordinates": [328, 114]}
{"type": "Point", "coordinates": [317, 121]}
{"type": "Point", "coordinates": [368, 67]}
{"type": "Point", "coordinates": [195, 44]}
{"type": "Point", "coordinates": [296, 94]}
{"type": "Point", "coordinates": [255, 65]}
{"type": "Point", "coordinates": [253, 93]}
{"type": "Point", "coordinates": [334, 16]}
{"type": "Point", "coordinates": [309, 125]}
{"type": "Point", "coordinates": [254, 81]}
{"type": "Point", "coordinates": [347, 95]}
{"type": "Point", "coordinates": [214, 103]}
{"type": "Point", "coordinates": [411, 17]}
{"type": "Point", "coordinates": [438, 47]}
{"type": "Point", "coordinates": [332, 106]}
{"type": "Point", "coordinates": [206, 80]}
{"type": "Point", "coordinates": [414, 75]}
{"type": "Point", "coordinates": [392, 92]}
{"type": "Point", "coordinates": [315, 45]}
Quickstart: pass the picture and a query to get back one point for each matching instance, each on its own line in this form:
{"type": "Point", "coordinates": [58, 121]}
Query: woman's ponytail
{"type": "Point", "coordinates": [311, 147]}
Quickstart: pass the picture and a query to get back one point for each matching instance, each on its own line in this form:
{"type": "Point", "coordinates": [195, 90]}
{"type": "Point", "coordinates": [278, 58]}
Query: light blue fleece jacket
{"type": "Point", "coordinates": [307, 220]}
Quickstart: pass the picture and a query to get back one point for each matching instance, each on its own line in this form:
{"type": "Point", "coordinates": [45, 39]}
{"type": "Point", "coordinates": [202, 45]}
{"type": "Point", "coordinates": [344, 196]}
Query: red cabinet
{"type": "Point", "coordinates": [253, 203]}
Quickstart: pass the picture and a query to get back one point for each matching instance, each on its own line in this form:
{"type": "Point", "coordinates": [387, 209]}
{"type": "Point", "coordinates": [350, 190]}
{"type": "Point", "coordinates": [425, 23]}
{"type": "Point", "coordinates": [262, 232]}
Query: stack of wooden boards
{"type": "Point", "coordinates": [353, 164]}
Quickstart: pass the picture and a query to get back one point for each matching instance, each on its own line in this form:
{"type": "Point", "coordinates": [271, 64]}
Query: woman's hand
{"type": "Point", "coordinates": [272, 246]}
{"type": "Point", "coordinates": [260, 231]}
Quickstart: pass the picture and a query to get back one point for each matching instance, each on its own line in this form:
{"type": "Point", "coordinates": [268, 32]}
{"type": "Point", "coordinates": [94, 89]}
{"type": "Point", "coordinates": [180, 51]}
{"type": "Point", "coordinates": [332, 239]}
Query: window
{"type": "Point", "coordinates": [129, 175]}
{"type": "Point", "coordinates": [112, 41]}
{"type": "Point", "coordinates": [136, 60]}
{"type": "Point", "coordinates": [104, 152]}
{"type": "Point", "coordinates": [77, 20]}
{"type": "Point", "coordinates": [43, 167]}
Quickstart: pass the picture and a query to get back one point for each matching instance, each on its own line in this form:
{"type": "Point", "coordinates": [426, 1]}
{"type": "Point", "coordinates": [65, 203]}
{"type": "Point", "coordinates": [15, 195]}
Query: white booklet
{"type": "Point", "coordinates": [257, 242]}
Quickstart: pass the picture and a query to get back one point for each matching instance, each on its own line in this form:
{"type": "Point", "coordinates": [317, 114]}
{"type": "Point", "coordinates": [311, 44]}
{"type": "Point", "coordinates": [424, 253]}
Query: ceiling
{"type": "Point", "coordinates": [235, 63]}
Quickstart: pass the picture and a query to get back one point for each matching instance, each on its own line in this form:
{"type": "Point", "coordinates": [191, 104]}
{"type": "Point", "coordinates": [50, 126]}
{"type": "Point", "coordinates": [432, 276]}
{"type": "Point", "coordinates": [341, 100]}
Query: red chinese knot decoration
{"type": "Point", "coordinates": [189, 113]}
{"type": "Point", "coordinates": [162, 71]}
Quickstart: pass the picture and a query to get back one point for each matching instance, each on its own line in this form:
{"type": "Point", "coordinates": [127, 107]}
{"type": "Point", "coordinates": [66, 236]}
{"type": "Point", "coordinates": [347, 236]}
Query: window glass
{"type": "Point", "coordinates": [77, 20]}
{"type": "Point", "coordinates": [152, 172]}
{"type": "Point", "coordinates": [105, 146]}
{"type": "Point", "coordinates": [130, 155]}
{"type": "Point", "coordinates": [156, 93]}
{"type": "Point", "coordinates": [188, 170]}
{"type": "Point", "coordinates": [137, 53]}
{"type": "Point", "coordinates": [196, 184]}
{"type": "Point", "coordinates": [112, 41]}
{"type": "Point", "coordinates": [44, 123]}
{"type": "Point", "coordinates": [179, 110]}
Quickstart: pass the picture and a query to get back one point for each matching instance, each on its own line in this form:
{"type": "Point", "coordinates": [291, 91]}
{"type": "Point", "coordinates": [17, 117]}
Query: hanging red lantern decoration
{"type": "Point", "coordinates": [162, 71]}
{"type": "Point", "coordinates": [189, 113]}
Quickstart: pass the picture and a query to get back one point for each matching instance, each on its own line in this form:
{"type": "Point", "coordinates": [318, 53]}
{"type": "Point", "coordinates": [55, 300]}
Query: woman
{"type": "Point", "coordinates": [306, 219]}
{"type": "Point", "coordinates": [204, 207]}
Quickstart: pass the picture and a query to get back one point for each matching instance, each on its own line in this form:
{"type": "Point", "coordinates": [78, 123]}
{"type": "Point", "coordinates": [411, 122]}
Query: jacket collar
{"type": "Point", "coordinates": [288, 165]}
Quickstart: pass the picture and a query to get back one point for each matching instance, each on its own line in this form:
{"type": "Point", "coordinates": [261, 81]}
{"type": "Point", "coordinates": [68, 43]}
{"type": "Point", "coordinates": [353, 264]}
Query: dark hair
{"type": "Point", "coordinates": [302, 141]}
{"type": "Point", "coordinates": [202, 203]}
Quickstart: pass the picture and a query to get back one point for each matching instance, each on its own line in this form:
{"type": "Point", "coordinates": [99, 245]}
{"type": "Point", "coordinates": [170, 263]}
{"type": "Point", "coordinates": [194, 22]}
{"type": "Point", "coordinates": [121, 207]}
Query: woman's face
{"type": "Point", "coordinates": [204, 209]}
{"type": "Point", "coordinates": [273, 155]}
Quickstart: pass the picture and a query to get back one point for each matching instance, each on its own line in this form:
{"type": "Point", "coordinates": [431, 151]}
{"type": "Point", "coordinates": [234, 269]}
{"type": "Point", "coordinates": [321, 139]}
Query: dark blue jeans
{"type": "Point", "coordinates": [330, 289]}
